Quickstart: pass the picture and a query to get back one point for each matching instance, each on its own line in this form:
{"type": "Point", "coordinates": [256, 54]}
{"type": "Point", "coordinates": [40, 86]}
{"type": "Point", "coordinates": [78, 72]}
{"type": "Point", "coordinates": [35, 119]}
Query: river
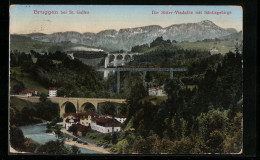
{"type": "Point", "coordinates": [37, 133]}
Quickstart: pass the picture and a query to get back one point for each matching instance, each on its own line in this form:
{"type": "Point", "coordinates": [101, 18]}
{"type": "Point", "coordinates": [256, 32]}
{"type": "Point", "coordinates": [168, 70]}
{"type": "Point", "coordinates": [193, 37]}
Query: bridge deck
{"type": "Point", "coordinates": [144, 69]}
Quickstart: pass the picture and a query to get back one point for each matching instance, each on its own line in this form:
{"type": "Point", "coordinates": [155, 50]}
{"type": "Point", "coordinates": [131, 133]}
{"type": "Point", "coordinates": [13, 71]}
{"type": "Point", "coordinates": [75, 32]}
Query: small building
{"type": "Point", "coordinates": [214, 50]}
{"type": "Point", "coordinates": [85, 117]}
{"type": "Point", "coordinates": [82, 130]}
{"type": "Point", "coordinates": [105, 125]}
{"type": "Point", "coordinates": [69, 119]}
{"type": "Point", "coordinates": [53, 92]}
{"type": "Point", "coordinates": [120, 118]}
{"type": "Point", "coordinates": [28, 92]}
{"type": "Point", "coordinates": [156, 91]}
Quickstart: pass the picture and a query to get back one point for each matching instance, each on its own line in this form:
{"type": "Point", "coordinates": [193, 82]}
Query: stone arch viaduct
{"type": "Point", "coordinates": [116, 61]}
{"type": "Point", "coordinates": [79, 103]}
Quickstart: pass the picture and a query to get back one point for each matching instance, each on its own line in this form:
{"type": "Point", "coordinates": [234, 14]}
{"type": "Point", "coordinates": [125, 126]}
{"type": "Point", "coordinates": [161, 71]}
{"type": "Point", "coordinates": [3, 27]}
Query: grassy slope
{"type": "Point", "coordinates": [25, 44]}
{"type": "Point", "coordinates": [222, 46]}
{"type": "Point", "coordinates": [28, 82]}
{"type": "Point", "coordinates": [20, 104]}
{"type": "Point", "coordinates": [155, 100]}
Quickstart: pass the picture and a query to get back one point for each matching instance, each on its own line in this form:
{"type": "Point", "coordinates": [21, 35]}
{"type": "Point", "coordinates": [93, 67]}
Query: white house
{"type": "Point", "coordinates": [53, 92]}
{"type": "Point", "coordinates": [86, 117]}
{"type": "Point", "coordinates": [69, 119]}
{"type": "Point", "coordinates": [120, 118]}
{"type": "Point", "coordinates": [156, 91]}
{"type": "Point", "coordinates": [214, 50]}
{"type": "Point", "coordinates": [105, 125]}
{"type": "Point", "coordinates": [28, 92]}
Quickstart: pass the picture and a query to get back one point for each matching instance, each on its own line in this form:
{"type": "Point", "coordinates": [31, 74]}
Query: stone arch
{"type": "Point", "coordinates": [119, 57]}
{"type": "Point", "coordinates": [134, 56]}
{"type": "Point", "coordinates": [111, 58]}
{"type": "Point", "coordinates": [103, 106]}
{"type": "Point", "coordinates": [127, 57]}
{"type": "Point", "coordinates": [87, 105]}
{"type": "Point", "coordinates": [70, 109]}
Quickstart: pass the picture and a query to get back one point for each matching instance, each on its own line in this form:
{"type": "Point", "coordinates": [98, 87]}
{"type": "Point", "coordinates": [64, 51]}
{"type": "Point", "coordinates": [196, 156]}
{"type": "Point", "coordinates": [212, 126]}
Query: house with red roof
{"type": "Point", "coordinates": [85, 117]}
{"type": "Point", "coordinates": [120, 118]}
{"type": "Point", "coordinates": [28, 92]}
{"type": "Point", "coordinates": [53, 92]}
{"type": "Point", "coordinates": [156, 91]}
{"type": "Point", "coordinates": [90, 120]}
{"type": "Point", "coordinates": [105, 125]}
{"type": "Point", "coordinates": [69, 119]}
{"type": "Point", "coordinates": [214, 50]}
{"type": "Point", "coordinates": [82, 130]}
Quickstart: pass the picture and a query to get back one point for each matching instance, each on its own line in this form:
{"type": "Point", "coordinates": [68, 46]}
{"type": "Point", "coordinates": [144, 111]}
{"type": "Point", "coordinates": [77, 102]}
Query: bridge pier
{"type": "Point", "coordinates": [171, 74]}
{"type": "Point", "coordinates": [118, 82]}
{"type": "Point", "coordinates": [106, 72]}
{"type": "Point", "coordinates": [131, 57]}
{"type": "Point", "coordinates": [71, 55]}
{"type": "Point", "coordinates": [115, 60]}
{"type": "Point", "coordinates": [144, 75]}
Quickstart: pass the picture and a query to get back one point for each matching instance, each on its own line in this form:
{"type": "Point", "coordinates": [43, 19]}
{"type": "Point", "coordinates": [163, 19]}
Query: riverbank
{"type": "Point", "coordinates": [12, 150]}
{"type": "Point", "coordinates": [90, 146]}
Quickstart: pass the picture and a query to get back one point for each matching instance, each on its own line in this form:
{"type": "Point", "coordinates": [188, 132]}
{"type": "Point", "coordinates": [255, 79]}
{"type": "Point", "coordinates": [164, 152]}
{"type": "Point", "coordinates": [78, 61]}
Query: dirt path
{"type": "Point", "coordinates": [12, 150]}
{"type": "Point", "coordinates": [90, 146]}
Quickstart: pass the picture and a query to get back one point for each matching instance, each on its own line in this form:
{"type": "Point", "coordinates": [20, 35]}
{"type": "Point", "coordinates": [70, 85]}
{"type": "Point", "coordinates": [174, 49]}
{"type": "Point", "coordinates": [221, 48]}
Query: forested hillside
{"type": "Point", "coordinates": [72, 77]}
{"type": "Point", "coordinates": [202, 112]}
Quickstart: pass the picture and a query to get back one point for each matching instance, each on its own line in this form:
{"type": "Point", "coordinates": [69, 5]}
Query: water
{"type": "Point", "coordinates": [37, 133]}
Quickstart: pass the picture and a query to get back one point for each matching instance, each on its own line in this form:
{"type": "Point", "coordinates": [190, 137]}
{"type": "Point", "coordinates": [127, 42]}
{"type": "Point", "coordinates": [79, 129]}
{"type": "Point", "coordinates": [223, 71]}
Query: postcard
{"type": "Point", "coordinates": [125, 79]}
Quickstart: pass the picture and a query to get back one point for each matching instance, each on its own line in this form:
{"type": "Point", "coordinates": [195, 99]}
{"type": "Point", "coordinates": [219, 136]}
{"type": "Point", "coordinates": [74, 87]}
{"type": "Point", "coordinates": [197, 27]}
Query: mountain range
{"type": "Point", "coordinates": [127, 38]}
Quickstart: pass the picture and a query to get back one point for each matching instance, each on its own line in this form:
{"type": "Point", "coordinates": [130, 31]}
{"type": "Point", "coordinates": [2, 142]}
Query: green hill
{"type": "Point", "coordinates": [17, 75]}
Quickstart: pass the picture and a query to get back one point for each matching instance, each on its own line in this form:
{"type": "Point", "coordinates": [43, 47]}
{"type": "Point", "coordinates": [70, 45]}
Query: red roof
{"type": "Point", "coordinates": [106, 115]}
{"type": "Point", "coordinates": [155, 88]}
{"type": "Point", "coordinates": [71, 114]}
{"type": "Point", "coordinates": [120, 116]}
{"type": "Point", "coordinates": [107, 122]}
{"type": "Point", "coordinates": [27, 91]}
{"type": "Point", "coordinates": [94, 118]}
{"type": "Point", "coordinates": [87, 113]}
{"type": "Point", "coordinates": [52, 88]}
{"type": "Point", "coordinates": [82, 128]}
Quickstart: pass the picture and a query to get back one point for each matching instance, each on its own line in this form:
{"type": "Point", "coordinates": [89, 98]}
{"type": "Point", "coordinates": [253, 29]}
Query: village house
{"type": "Point", "coordinates": [28, 92]}
{"type": "Point", "coordinates": [85, 117]}
{"type": "Point", "coordinates": [52, 92]}
{"type": "Point", "coordinates": [214, 50]}
{"type": "Point", "coordinates": [105, 125]}
{"type": "Point", "coordinates": [89, 120]}
{"type": "Point", "coordinates": [81, 130]}
{"type": "Point", "coordinates": [120, 118]}
{"type": "Point", "coordinates": [156, 91]}
{"type": "Point", "coordinates": [69, 119]}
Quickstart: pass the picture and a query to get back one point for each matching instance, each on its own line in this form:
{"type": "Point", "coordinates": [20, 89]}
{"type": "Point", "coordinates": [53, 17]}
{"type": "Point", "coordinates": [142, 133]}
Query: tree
{"type": "Point", "coordinates": [16, 138]}
{"type": "Point", "coordinates": [174, 102]}
{"type": "Point", "coordinates": [148, 79]}
{"type": "Point", "coordinates": [73, 129]}
{"type": "Point", "coordinates": [53, 147]}
{"type": "Point", "coordinates": [214, 142]}
{"type": "Point", "coordinates": [18, 87]}
{"type": "Point", "coordinates": [136, 94]}
{"type": "Point", "coordinates": [43, 97]}
{"type": "Point", "coordinates": [75, 150]}
{"type": "Point", "coordinates": [156, 42]}
{"type": "Point", "coordinates": [25, 113]}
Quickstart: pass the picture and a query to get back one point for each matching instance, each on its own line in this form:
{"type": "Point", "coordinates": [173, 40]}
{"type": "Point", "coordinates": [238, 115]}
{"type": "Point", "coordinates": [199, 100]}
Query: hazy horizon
{"type": "Point", "coordinates": [111, 29]}
{"type": "Point", "coordinates": [104, 17]}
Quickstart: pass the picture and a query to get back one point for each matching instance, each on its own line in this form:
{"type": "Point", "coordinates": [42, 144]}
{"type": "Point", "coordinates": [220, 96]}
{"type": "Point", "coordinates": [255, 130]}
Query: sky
{"type": "Point", "coordinates": [103, 17]}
